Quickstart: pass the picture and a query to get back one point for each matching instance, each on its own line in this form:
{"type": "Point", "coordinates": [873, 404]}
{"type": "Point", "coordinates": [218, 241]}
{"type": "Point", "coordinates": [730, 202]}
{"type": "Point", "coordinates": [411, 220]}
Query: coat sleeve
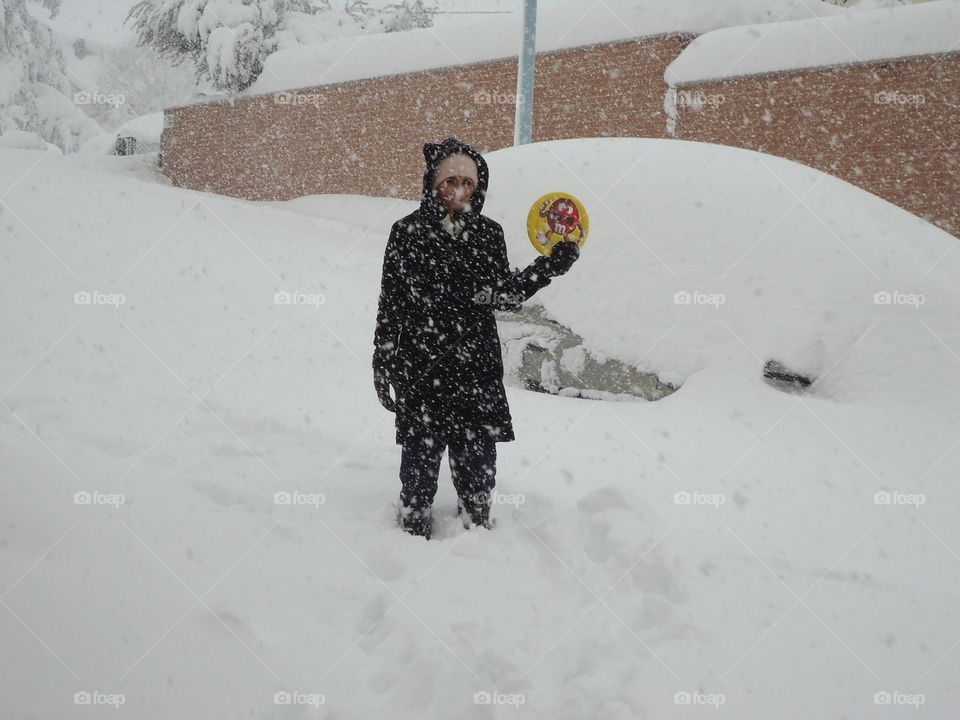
{"type": "Point", "coordinates": [511, 288]}
{"type": "Point", "coordinates": [390, 304]}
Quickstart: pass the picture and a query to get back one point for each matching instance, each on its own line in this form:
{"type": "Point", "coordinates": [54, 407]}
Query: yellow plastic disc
{"type": "Point", "coordinates": [556, 217]}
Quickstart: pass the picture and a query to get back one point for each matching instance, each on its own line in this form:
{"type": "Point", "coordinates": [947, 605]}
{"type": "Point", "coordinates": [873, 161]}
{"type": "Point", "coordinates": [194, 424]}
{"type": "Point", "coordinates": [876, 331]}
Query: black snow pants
{"type": "Point", "coordinates": [473, 461]}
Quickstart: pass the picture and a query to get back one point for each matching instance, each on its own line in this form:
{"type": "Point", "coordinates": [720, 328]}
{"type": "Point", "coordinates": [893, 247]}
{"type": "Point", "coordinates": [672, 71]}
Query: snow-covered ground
{"type": "Point", "coordinates": [721, 552]}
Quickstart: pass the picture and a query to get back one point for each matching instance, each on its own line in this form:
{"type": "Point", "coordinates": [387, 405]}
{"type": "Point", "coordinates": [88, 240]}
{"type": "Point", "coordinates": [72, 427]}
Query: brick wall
{"type": "Point", "coordinates": [365, 137]}
{"type": "Point", "coordinates": [892, 128]}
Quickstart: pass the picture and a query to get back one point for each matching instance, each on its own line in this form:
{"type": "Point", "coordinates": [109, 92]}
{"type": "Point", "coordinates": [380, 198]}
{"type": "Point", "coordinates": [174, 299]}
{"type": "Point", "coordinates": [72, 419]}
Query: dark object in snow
{"type": "Point", "coordinates": [125, 146]}
{"type": "Point", "coordinates": [784, 378]}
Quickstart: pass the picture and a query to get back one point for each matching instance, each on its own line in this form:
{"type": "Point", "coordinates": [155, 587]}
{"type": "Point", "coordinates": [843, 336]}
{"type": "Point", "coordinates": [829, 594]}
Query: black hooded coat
{"type": "Point", "coordinates": [436, 331]}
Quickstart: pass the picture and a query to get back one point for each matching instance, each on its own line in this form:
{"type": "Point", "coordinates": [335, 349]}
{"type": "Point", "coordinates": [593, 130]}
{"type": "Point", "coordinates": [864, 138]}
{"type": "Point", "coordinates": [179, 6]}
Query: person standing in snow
{"type": "Point", "coordinates": [445, 271]}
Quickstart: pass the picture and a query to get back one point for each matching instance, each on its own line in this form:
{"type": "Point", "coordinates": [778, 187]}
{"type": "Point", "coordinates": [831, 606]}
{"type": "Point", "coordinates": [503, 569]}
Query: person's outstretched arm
{"type": "Point", "coordinates": [512, 288]}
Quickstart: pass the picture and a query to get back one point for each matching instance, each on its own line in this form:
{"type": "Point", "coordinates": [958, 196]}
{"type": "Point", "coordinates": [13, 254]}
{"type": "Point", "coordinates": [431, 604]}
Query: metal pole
{"type": "Point", "coordinates": [526, 67]}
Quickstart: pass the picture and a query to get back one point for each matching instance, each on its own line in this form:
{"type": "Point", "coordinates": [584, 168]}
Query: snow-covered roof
{"type": "Point", "coordinates": [847, 38]}
{"type": "Point", "coordinates": [465, 39]}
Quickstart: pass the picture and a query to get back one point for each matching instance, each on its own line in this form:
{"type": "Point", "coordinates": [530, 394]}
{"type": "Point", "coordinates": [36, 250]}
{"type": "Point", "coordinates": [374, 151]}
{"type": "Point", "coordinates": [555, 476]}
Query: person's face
{"type": "Point", "coordinates": [456, 192]}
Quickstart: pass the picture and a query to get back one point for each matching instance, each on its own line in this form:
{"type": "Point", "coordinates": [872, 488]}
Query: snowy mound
{"type": "Point", "coordinates": [709, 258]}
{"type": "Point", "coordinates": [21, 140]}
{"type": "Point", "coordinates": [197, 477]}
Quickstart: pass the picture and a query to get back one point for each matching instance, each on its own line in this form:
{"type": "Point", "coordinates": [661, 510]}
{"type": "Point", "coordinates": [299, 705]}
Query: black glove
{"type": "Point", "coordinates": [561, 259]}
{"type": "Point", "coordinates": [384, 373]}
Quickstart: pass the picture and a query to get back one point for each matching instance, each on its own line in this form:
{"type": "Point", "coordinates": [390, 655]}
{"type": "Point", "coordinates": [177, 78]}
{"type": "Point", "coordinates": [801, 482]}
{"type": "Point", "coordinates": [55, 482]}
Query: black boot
{"type": "Point", "coordinates": [414, 521]}
{"type": "Point", "coordinates": [475, 510]}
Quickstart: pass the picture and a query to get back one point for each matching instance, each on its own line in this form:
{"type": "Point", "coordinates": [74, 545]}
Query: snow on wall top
{"type": "Point", "coordinates": [842, 39]}
{"type": "Point", "coordinates": [465, 39]}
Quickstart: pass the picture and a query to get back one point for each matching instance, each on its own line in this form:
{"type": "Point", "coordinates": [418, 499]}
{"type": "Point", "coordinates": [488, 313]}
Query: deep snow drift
{"type": "Point", "coordinates": [750, 551]}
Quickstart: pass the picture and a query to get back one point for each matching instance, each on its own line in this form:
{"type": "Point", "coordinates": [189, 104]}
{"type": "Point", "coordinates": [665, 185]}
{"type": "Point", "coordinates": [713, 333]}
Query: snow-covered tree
{"type": "Point", "coordinates": [408, 15]}
{"type": "Point", "coordinates": [148, 81]}
{"type": "Point", "coordinates": [393, 17]}
{"type": "Point", "coordinates": [35, 94]}
{"type": "Point", "coordinates": [227, 40]}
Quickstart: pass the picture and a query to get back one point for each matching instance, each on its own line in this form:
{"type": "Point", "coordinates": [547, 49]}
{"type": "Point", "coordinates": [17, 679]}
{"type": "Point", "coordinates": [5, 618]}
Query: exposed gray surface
{"type": "Point", "coordinates": [541, 354]}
